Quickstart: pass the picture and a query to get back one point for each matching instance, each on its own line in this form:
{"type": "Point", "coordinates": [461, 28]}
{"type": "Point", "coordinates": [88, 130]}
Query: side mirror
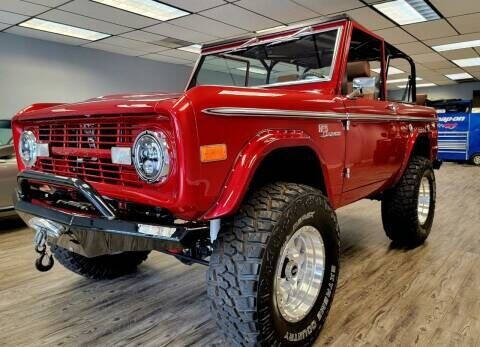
{"type": "Point", "coordinates": [363, 86]}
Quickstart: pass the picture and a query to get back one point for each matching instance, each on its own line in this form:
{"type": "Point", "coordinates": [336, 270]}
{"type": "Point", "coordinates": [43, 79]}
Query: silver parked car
{"type": "Point", "coordinates": [8, 169]}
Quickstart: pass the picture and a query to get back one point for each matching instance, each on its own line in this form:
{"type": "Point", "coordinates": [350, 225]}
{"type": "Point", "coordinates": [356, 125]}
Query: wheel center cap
{"type": "Point", "coordinates": [291, 270]}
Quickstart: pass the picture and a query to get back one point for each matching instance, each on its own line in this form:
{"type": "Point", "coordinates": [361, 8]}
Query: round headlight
{"type": "Point", "coordinates": [150, 156]}
{"type": "Point", "coordinates": [28, 148]}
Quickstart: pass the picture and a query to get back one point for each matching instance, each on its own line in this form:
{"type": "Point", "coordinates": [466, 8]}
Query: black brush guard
{"type": "Point", "coordinates": [93, 236]}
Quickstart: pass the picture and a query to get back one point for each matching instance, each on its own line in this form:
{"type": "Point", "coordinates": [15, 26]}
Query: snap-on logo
{"type": "Point", "coordinates": [451, 119]}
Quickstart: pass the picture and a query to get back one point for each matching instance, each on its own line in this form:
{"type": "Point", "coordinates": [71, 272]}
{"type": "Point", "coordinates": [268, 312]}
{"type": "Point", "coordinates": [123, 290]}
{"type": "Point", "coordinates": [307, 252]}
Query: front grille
{"type": "Point", "coordinates": [81, 148]}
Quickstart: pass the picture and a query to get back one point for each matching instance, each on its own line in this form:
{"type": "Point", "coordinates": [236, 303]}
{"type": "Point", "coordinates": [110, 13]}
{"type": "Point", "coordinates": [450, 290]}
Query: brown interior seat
{"type": "Point", "coordinates": [287, 78]}
{"type": "Point", "coordinates": [421, 99]}
{"type": "Point", "coordinates": [358, 69]}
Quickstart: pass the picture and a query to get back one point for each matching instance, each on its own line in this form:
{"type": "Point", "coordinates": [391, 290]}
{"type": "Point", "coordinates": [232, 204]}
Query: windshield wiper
{"type": "Point", "coordinates": [295, 36]}
{"type": "Point", "coordinates": [245, 45]}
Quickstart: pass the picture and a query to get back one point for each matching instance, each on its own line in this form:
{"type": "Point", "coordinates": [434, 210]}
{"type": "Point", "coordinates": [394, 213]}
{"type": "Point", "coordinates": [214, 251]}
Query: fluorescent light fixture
{"type": "Point", "coordinates": [467, 62]}
{"type": "Point", "coordinates": [62, 29]}
{"type": "Point", "coordinates": [405, 12]}
{"type": "Point", "coordinates": [253, 70]}
{"type": "Point", "coordinates": [459, 76]}
{"type": "Point", "coordinates": [192, 48]}
{"type": "Point", "coordinates": [270, 29]}
{"type": "Point", "coordinates": [147, 8]}
{"type": "Point", "coordinates": [457, 45]}
{"type": "Point", "coordinates": [391, 71]}
{"type": "Point", "coordinates": [402, 80]}
{"type": "Point", "coordinates": [420, 85]}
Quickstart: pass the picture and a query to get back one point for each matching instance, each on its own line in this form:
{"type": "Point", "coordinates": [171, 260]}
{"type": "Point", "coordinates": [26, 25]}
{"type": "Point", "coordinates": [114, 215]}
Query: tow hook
{"type": "Point", "coordinates": [44, 228]}
{"type": "Point", "coordinates": [40, 241]}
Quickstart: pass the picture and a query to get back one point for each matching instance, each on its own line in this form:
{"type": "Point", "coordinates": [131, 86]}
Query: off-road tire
{"type": "Point", "coordinates": [399, 205]}
{"type": "Point", "coordinates": [102, 267]}
{"type": "Point", "coordinates": [475, 160]}
{"type": "Point", "coordinates": [244, 260]}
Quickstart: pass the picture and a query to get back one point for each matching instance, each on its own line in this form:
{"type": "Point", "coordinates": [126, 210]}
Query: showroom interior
{"type": "Point", "coordinates": [69, 69]}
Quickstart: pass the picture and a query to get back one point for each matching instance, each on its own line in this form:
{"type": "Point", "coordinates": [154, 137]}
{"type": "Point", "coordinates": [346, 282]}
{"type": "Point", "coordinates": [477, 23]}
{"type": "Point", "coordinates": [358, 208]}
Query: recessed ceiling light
{"type": "Point", "coordinates": [147, 8]}
{"type": "Point", "coordinates": [253, 70]}
{"type": "Point", "coordinates": [62, 29]}
{"type": "Point", "coordinates": [459, 76]}
{"type": "Point", "coordinates": [457, 45]}
{"type": "Point", "coordinates": [467, 62]}
{"type": "Point", "coordinates": [420, 85]}
{"type": "Point", "coordinates": [407, 11]}
{"type": "Point", "coordinates": [270, 29]}
{"type": "Point", "coordinates": [391, 71]}
{"type": "Point", "coordinates": [192, 48]}
{"type": "Point", "coordinates": [402, 80]}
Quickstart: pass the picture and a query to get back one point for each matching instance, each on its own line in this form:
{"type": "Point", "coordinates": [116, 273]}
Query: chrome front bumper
{"type": "Point", "coordinates": [95, 236]}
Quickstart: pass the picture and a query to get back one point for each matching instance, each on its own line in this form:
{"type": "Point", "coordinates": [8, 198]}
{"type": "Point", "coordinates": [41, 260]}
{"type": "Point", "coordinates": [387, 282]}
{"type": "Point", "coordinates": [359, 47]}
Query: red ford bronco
{"type": "Point", "coordinates": [242, 172]}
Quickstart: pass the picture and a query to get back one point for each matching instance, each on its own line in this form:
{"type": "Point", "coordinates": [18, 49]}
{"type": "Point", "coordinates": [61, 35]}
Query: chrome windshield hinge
{"type": "Point", "coordinates": [346, 124]}
{"type": "Point", "coordinates": [346, 172]}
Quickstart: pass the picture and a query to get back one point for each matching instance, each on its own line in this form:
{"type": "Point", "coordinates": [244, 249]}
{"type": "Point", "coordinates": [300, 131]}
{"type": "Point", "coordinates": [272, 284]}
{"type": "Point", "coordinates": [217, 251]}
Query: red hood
{"type": "Point", "coordinates": [110, 104]}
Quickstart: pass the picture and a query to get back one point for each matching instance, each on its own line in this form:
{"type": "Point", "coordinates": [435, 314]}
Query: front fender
{"type": "Point", "coordinates": [247, 162]}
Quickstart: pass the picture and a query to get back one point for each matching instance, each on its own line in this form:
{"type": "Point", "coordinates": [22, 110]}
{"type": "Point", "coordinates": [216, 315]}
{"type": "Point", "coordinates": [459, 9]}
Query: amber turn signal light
{"type": "Point", "coordinates": [211, 153]}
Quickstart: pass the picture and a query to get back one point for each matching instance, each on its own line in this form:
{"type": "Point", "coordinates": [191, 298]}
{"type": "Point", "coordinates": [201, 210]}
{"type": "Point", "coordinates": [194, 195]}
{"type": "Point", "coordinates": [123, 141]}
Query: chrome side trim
{"type": "Point", "coordinates": [263, 112]}
{"type": "Point", "coordinates": [260, 112]}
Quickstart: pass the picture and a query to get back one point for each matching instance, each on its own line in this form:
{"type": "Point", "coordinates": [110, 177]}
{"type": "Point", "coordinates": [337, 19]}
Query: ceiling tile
{"type": "Point", "coordinates": [133, 44]}
{"type": "Point", "coordinates": [165, 59]}
{"type": "Point", "coordinates": [194, 5]}
{"type": "Point", "coordinates": [451, 8]}
{"type": "Point", "coordinates": [207, 26]}
{"type": "Point", "coordinates": [284, 11]}
{"type": "Point", "coordinates": [49, 3]}
{"type": "Point", "coordinates": [176, 53]}
{"type": "Point", "coordinates": [450, 71]}
{"type": "Point", "coordinates": [83, 22]}
{"type": "Point", "coordinates": [427, 57]}
{"type": "Point", "coordinates": [177, 32]}
{"type": "Point", "coordinates": [467, 24]}
{"type": "Point", "coordinates": [326, 7]}
{"type": "Point", "coordinates": [430, 30]}
{"type": "Point", "coordinates": [460, 54]}
{"type": "Point", "coordinates": [240, 17]}
{"type": "Point", "coordinates": [11, 18]}
{"type": "Point", "coordinates": [370, 19]}
{"type": "Point", "coordinates": [452, 39]}
{"type": "Point", "coordinates": [414, 48]}
{"type": "Point", "coordinates": [22, 7]}
{"type": "Point", "coordinates": [4, 26]}
{"type": "Point", "coordinates": [42, 35]}
{"type": "Point", "coordinates": [472, 69]}
{"type": "Point", "coordinates": [440, 64]}
{"type": "Point", "coordinates": [112, 48]}
{"type": "Point", "coordinates": [107, 13]}
{"type": "Point", "coordinates": [395, 35]}
{"type": "Point", "coordinates": [143, 36]}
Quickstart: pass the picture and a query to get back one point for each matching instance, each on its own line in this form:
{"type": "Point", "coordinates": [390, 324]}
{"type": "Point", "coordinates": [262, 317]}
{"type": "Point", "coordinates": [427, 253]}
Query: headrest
{"type": "Point", "coordinates": [421, 99]}
{"type": "Point", "coordinates": [358, 69]}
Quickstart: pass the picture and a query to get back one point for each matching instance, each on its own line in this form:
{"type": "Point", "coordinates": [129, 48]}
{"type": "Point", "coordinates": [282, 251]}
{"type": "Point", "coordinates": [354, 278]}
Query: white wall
{"type": "Point", "coordinates": [34, 70]}
{"type": "Point", "coordinates": [451, 91]}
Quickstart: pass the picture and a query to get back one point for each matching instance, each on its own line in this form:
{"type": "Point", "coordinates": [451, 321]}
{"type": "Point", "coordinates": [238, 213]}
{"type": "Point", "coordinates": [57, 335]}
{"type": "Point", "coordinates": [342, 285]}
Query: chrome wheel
{"type": "Point", "coordinates": [299, 274]}
{"type": "Point", "coordinates": [424, 199]}
{"type": "Point", "coordinates": [476, 160]}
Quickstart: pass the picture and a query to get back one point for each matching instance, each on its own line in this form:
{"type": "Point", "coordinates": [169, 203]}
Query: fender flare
{"type": "Point", "coordinates": [409, 149]}
{"type": "Point", "coordinates": [247, 162]}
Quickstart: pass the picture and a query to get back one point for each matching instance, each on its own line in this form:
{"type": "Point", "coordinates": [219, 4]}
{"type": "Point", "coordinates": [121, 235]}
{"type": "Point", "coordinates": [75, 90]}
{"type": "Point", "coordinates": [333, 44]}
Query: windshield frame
{"type": "Point", "coordinates": [338, 40]}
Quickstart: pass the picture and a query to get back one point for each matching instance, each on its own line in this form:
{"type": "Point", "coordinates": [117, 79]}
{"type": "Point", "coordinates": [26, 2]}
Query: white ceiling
{"type": "Point", "coordinates": [212, 20]}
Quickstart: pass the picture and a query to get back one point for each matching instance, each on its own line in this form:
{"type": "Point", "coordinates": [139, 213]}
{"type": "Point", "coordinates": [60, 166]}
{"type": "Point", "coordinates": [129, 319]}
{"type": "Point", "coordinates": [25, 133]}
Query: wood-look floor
{"type": "Point", "coordinates": [386, 296]}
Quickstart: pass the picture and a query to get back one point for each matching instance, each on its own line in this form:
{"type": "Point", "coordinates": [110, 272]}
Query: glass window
{"type": "Point", "coordinates": [301, 58]}
{"type": "Point", "coordinates": [5, 132]}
